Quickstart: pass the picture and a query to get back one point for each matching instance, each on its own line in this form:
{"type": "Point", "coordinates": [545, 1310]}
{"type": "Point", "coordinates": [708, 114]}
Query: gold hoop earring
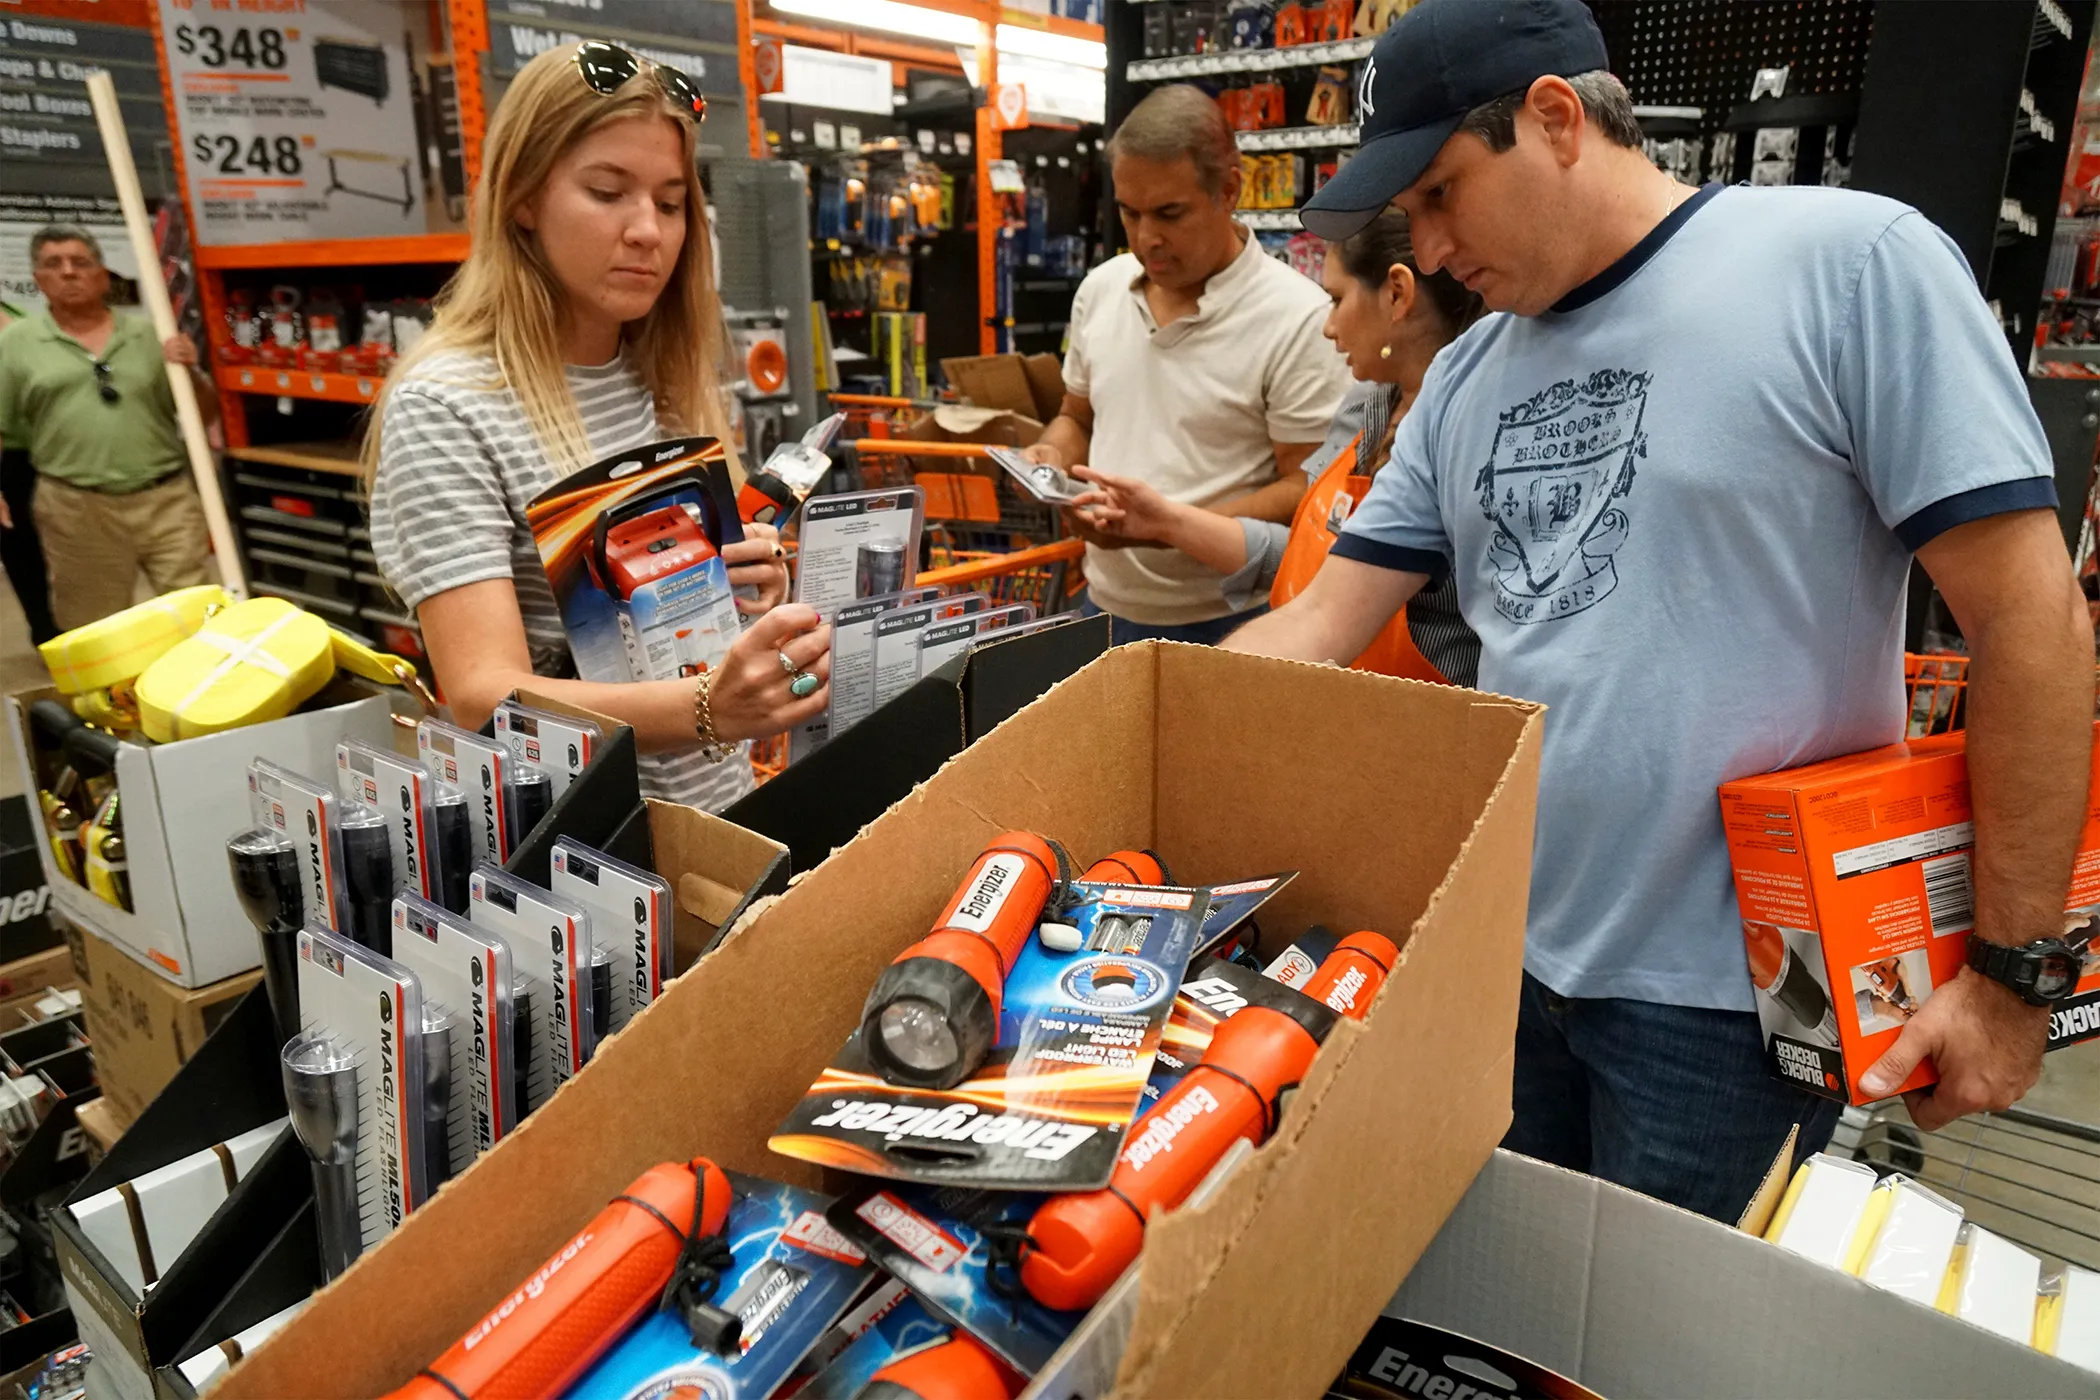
{"type": "Point", "coordinates": [1385, 352]}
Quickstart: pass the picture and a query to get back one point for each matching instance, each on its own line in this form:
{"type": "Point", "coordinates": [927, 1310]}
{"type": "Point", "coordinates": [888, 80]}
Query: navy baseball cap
{"type": "Point", "coordinates": [1438, 62]}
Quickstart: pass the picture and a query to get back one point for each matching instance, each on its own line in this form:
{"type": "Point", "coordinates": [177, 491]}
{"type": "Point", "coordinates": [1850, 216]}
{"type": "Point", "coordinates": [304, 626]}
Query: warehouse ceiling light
{"type": "Point", "coordinates": [919, 22]}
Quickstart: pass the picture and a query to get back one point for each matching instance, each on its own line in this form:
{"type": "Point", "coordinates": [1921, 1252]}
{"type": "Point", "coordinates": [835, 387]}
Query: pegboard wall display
{"type": "Point", "coordinates": [1705, 53]}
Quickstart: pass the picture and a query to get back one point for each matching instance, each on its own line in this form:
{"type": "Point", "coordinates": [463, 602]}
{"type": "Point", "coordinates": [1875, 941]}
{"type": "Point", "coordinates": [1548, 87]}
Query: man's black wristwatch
{"type": "Point", "coordinates": [2041, 973]}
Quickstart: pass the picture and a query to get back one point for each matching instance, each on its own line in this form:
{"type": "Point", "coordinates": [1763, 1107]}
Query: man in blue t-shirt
{"type": "Point", "coordinates": [1680, 484]}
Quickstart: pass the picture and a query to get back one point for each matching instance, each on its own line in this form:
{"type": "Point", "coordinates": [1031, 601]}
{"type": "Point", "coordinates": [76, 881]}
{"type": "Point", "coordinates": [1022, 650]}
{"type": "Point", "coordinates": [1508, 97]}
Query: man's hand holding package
{"type": "Point", "coordinates": [1986, 1042]}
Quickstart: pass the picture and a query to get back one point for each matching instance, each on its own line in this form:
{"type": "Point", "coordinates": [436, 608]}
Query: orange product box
{"type": "Point", "coordinates": [1853, 876]}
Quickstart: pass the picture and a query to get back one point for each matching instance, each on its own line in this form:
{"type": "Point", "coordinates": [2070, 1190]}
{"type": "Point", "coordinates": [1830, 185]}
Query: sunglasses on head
{"type": "Point", "coordinates": [606, 68]}
{"type": "Point", "coordinates": [103, 384]}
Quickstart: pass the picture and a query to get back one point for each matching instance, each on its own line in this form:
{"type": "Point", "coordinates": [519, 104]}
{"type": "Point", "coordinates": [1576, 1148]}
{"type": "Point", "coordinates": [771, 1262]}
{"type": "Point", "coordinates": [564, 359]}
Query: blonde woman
{"type": "Point", "coordinates": [583, 322]}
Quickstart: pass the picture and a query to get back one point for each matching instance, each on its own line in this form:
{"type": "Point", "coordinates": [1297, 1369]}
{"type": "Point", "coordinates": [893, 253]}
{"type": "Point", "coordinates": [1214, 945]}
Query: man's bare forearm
{"type": "Point", "coordinates": [1071, 440]}
{"type": "Point", "coordinates": [2030, 756]}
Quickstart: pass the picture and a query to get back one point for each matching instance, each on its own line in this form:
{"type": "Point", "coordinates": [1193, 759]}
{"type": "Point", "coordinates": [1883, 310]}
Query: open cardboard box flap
{"type": "Point", "coordinates": [1171, 747]}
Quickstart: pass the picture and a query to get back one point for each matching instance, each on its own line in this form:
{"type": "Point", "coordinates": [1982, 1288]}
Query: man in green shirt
{"type": "Point", "coordinates": [84, 390]}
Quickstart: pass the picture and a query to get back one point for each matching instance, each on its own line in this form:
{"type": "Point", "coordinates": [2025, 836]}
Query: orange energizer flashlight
{"type": "Point", "coordinates": [1079, 1244]}
{"type": "Point", "coordinates": [933, 1015]}
{"type": "Point", "coordinates": [551, 1327]}
{"type": "Point", "coordinates": [961, 1368]}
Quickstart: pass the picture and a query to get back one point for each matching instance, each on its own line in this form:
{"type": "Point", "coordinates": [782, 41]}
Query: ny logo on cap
{"type": "Point", "coordinates": [1365, 107]}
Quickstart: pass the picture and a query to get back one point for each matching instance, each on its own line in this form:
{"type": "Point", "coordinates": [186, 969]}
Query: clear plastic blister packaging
{"type": "Point", "coordinates": [548, 743]}
{"type": "Point", "coordinates": [631, 920]}
{"type": "Point", "coordinates": [358, 1094]}
{"type": "Point", "coordinates": [404, 792]}
{"type": "Point", "coordinates": [368, 876]}
{"type": "Point", "coordinates": [941, 642]}
{"type": "Point", "coordinates": [467, 972]}
{"type": "Point", "coordinates": [897, 639]}
{"type": "Point", "coordinates": [860, 545]}
{"type": "Point", "coordinates": [482, 771]}
{"type": "Point", "coordinates": [308, 815]}
{"type": "Point", "coordinates": [550, 948]}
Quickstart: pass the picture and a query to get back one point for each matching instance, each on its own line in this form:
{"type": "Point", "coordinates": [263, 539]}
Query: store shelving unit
{"type": "Point", "coordinates": [1208, 65]}
{"type": "Point", "coordinates": [1301, 138]}
{"type": "Point", "coordinates": [987, 144]}
{"type": "Point", "coordinates": [293, 491]}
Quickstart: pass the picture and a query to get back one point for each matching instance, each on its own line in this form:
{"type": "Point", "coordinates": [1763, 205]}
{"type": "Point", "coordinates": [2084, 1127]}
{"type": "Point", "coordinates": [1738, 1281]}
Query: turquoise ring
{"type": "Point", "coordinates": [803, 685]}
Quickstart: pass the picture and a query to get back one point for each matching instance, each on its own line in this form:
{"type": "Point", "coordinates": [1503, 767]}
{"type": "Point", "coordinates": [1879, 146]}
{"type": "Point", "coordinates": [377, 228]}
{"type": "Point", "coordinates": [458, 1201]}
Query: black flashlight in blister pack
{"type": "Point", "coordinates": [486, 772]}
{"type": "Point", "coordinates": [532, 797]}
{"type": "Point", "coordinates": [455, 847]}
{"type": "Point", "coordinates": [320, 1089]}
{"type": "Point", "coordinates": [553, 744]}
{"type": "Point", "coordinates": [439, 1022]}
{"type": "Point", "coordinates": [368, 878]}
{"type": "Point", "coordinates": [266, 881]}
{"type": "Point", "coordinates": [402, 791]}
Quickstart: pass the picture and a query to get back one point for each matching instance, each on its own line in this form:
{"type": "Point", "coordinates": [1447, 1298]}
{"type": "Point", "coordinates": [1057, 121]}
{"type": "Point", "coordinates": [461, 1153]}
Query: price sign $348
{"type": "Point", "coordinates": [215, 46]}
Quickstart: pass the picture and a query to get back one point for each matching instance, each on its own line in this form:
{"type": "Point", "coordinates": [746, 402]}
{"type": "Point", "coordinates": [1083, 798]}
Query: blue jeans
{"type": "Point", "coordinates": [1675, 1102]}
{"type": "Point", "coordinates": [1122, 631]}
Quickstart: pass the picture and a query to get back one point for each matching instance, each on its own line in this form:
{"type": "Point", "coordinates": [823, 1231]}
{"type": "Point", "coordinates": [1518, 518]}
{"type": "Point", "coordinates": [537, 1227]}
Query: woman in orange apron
{"type": "Point", "coordinates": [1390, 320]}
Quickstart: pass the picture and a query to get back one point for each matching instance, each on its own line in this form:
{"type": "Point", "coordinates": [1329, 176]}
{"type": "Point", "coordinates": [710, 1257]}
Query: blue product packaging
{"type": "Point", "coordinates": [794, 1274]}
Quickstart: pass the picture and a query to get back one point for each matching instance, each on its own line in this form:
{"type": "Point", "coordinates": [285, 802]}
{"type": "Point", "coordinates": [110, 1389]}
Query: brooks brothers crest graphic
{"type": "Point", "coordinates": [1561, 459]}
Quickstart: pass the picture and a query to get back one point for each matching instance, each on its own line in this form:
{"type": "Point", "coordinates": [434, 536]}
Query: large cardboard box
{"type": "Point", "coordinates": [27, 981]}
{"type": "Point", "coordinates": [144, 1027]}
{"type": "Point", "coordinates": [181, 802]}
{"type": "Point", "coordinates": [1409, 809]}
{"type": "Point", "coordinates": [1634, 1298]}
{"type": "Point", "coordinates": [1854, 880]}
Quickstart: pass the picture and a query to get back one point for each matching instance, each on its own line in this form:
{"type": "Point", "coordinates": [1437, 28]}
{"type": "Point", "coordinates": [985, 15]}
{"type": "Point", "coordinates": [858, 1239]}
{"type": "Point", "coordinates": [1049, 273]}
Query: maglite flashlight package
{"type": "Point", "coordinates": [1076, 1039]}
{"type": "Point", "coordinates": [897, 638]}
{"type": "Point", "coordinates": [852, 668]}
{"type": "Point", "coordinates": [952, 1248]}
{"type": "Point", "coordinates": [1905, 1239]}
{"type": "Point", "coordinates": [1993, 1283]}
{"type": "Point", "coordinates": [481, 769]}
{"type": "Point", "coordinates": [860, 545]}
{"type": "Point", "coordinates": [793, 1276]}
{"type": "Point", "coordinates": [552, 744]}
{"type": "Point", "coordinates": [550, 949]}
{"type": "Point", "coordinates": [454, 825]}
{"type": "Point", "coordinates": [853, 654]}
{"type": "Point", "coordinates": [403, 791]}
{"type": "Point", "coordinates": [468, 971]}
{"type": "Point", "coordinates": [370, 1009]}
{"type": "Point", "coordinates": [306, 814]}
{"type": "Point", "coordinates": [631, 920]}
{"type": "Point", "coordinates": [368, 875]}
{"type": "Point", "coordinates": [942, 642]}
{"type": "Point", "coordinates": [1820, 1213]}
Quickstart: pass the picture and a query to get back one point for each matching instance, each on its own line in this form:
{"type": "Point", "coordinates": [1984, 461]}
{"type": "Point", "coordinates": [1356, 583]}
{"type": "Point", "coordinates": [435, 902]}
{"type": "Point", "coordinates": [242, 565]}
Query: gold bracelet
{"type": "Point", "coordinates": [711, 746]}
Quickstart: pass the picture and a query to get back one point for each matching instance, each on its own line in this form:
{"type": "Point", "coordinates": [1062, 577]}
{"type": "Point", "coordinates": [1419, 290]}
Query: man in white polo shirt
{"type": "Point", "coordinates": [1196, 363]}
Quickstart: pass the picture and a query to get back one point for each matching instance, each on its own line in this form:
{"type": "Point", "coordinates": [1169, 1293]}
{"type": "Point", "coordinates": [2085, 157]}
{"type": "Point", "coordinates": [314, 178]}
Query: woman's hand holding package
{"type": "Point", "coordinates": [759, 561]}
{"type": "Point", "coordinates": [752, 694]}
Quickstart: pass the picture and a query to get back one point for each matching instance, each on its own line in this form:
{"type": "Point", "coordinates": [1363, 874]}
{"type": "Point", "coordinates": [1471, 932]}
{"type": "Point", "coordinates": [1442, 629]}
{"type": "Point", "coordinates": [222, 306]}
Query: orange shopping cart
{"type": "Point", "coordinates": [1938, 683]}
